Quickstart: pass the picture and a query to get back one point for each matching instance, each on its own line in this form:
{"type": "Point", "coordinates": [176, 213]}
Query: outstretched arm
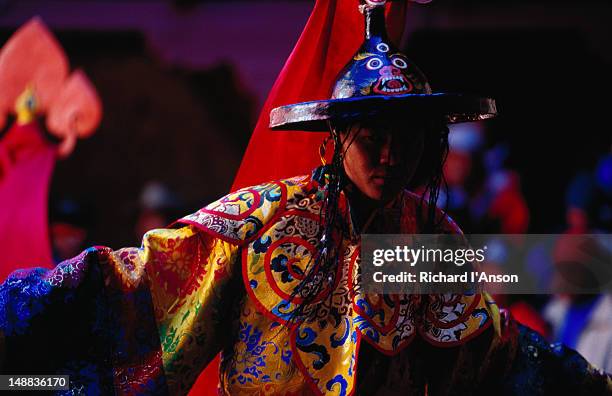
{"type": "Point", "coordinates": [134, 320]}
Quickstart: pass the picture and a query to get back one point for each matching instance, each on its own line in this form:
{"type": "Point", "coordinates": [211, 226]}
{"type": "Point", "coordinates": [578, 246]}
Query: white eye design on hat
{"type": "Point", "coordinates": [374, 63]}
{"type": "Point", "coordinates": [382, 47]}
{"type": "Point", "coordinates": [399, 63]}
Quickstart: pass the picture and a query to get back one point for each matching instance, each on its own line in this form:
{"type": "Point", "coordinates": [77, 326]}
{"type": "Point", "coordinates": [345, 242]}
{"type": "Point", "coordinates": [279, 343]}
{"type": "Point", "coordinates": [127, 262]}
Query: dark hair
{"type": "Point", "coordinates": [321, 270]}
{"type": "Point", "coordinates": [430, 175]}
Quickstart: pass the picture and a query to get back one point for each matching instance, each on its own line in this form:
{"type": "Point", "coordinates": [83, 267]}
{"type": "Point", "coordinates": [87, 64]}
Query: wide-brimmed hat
{"type": "Point", "coordinates": [379, 82]}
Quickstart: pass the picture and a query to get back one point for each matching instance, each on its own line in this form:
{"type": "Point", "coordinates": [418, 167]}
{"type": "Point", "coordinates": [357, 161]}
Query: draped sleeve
{"type": "Point", "coordinates": [134, 320]}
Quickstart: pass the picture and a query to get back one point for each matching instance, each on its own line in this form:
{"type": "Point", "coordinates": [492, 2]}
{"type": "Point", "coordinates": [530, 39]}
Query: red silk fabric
{"type": "Point", "coordinates": [26, 165]}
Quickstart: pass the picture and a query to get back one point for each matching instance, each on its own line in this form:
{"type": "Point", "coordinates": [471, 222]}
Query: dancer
{"type": "Point", "coordinates": [269, 274]}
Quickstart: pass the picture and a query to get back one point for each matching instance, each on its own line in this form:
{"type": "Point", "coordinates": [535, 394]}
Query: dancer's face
{"type": "Point", "coordinates": [380, 160]}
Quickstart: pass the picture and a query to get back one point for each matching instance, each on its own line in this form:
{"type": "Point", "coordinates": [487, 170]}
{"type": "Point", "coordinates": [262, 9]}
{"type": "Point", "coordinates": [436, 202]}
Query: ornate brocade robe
{"type": "Point", "coordinates": [149, 319]}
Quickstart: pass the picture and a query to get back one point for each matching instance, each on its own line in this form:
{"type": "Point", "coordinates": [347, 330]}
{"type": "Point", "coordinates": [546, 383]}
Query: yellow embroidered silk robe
{"type": "Point", "coordinates": [147, 320]}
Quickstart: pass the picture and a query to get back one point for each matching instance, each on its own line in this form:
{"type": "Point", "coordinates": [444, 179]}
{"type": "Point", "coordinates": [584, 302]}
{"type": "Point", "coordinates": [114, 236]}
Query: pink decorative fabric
{"type": "Point", "coordinates": [26, 164]}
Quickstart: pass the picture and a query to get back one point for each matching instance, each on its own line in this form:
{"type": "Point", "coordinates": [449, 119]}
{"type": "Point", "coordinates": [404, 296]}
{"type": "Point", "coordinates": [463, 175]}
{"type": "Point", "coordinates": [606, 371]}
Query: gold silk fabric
{"type": "Point", "coordinates": [266, 235]}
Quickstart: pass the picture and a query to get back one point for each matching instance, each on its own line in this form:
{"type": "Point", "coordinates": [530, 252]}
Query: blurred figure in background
{"type": "Point", "coordinates": [485, 197]}
{"type": "Point", "coordinates": [502, 207]}
{"type": "Point", "coordinates": [158, 207]}
{"type": "Point", "coordinates": [463, 174]}
{"type": "Point", "coordinates": [584, 322]}
{"type": "Point", "coordinates": [70, 221]}
{"type": "Point", "coordinates": [483, 194]}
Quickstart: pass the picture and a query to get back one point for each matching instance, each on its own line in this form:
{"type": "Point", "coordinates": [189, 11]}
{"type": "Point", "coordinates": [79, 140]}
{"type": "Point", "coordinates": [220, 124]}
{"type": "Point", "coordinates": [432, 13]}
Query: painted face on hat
{"type": "Point", "coordinates": [380, 69]}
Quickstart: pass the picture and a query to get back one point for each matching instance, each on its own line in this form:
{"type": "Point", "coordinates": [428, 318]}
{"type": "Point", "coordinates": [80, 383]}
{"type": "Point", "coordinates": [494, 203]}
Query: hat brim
{"type": "Point", "coordinates": [314, 116]}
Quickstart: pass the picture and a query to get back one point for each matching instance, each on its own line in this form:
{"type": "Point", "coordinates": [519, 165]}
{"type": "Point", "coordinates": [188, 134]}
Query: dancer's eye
{"type": "Point", "coordinates": [372, 138]}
